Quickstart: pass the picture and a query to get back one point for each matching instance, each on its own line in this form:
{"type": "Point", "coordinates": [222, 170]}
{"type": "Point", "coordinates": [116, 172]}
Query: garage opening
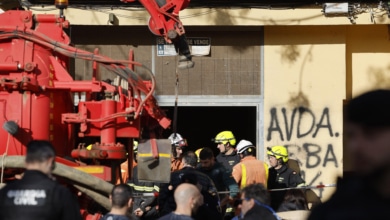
{"type": "Point", "coordinates": [200, 124]}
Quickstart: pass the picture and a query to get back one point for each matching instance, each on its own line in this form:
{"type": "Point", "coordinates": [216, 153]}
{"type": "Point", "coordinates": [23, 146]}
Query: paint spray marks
{"type": "Point", "coordinates": [309, 137]}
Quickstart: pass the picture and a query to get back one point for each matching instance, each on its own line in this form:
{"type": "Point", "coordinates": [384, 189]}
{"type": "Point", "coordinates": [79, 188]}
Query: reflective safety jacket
{"type": "Point", "coordinates": [176, 164]}
{"type": "Point", "coordinates": [37, 197]}
{"type": "Point", "coordinates": [139, 188]}
{"type": "Point", "coordinates": [249, 171]}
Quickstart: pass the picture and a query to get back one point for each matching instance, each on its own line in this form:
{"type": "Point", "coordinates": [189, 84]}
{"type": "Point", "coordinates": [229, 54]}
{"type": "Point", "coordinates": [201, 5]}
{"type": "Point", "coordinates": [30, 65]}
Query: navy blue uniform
{"type": "Point", "coordinates": [37, 197]}
{"type": "Point", "coordinates": [228, 161]}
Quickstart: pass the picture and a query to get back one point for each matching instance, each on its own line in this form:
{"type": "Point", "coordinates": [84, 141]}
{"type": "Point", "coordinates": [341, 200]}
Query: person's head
{"type": "Point", "coordinates": [294, 199]}
{"type": "Point", "coordinates": [225, 141]}
{"type": "Point", "coordinates": [253, 194]}
{"type": "Point", "coordinates": [187, 196]}
{"type": "Point", "coordinates": [178, 143]}
{"type": "Point", "coordinates": [206, 158]}
{"type": "Point", "coordinates": [368, 132]}
{"type": "Point", "coordinates": [190, 159]}
{"type": "Point", "coordinates": [121, 196]}
{"type": "Point", "coordinates": [277, 156]}
{"type": "Point", "coordinates": [246, 148]}
{"type": "Point", "coordinates": [40, 156]}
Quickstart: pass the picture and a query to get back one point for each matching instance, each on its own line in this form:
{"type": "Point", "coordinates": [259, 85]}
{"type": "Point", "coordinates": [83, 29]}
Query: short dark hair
{"type": "Point", "coordinates": [120, 195]}
{"type": "Point", "coordinates": [39, 151]}
{"type": "Point", "coordinates": [190, 158]}
{"type": "Point", "coordinates": [257, 192]}
{"type": "Point", "coordinates": [370, 109]}
{"type": "Point", "coordinates": [294, 199]}
{"type": "Point", "coordinates": [206, 153]}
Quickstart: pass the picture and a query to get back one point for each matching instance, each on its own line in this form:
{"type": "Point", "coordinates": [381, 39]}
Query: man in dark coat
{"type": "Point", "coordinates": [38, 195]}
{"type": "Point", "coordinates": [365, 193]}
{"type": "Point", "coordinates": [254, 203]}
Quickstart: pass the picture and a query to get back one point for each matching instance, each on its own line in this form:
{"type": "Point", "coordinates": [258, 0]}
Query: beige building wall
{"type": "Point", "coordinates": [310, 72]}
{"type": "Point", "coordinates": [304, 75]}
{"type": "Point", "coordinates": [369, 51]}
{"type": "Point", "coordinates": [312, 66]}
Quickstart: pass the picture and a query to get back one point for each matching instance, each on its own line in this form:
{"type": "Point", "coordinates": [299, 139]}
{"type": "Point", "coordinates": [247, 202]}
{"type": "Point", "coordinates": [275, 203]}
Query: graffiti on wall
{"type": "Point", "coordinates": [308, 136]}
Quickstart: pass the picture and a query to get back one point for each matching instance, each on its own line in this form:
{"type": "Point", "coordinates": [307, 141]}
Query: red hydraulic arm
{"type": "Point", "coordinates": [164, 21]}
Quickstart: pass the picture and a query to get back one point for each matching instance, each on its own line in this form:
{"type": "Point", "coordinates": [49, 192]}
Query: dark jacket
{"type": "Point", "coordinates": [210, 208]}
{"type": "Point", "coordinates": [228, 161]}
{"type": "Point", "coordinates": [282, 178]}
{"type": "Point", "coordinates": [222, 179]}
{"type": "Point", "coordinates": [354, 199]}
{"type": "Point", "coordinates": [173, 216]}
{"type": "Point", "coordinates": [140, 187]}
{"type": "Point", "coordinates": [110, 216]}
{"type": "Point", "coordinates": [258, 212]}
{"type": "Point", "coordinates": [37, 197]}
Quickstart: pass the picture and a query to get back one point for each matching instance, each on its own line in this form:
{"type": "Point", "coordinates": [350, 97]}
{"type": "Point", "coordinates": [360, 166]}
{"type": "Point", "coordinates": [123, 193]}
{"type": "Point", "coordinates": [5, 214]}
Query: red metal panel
{"type": "Point", "coordinates": [108, 126]}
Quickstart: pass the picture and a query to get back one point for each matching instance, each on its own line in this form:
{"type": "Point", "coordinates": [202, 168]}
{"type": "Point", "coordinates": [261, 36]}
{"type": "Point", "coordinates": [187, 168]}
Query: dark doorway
{"type": "Point", "coordinates": [200, 124]}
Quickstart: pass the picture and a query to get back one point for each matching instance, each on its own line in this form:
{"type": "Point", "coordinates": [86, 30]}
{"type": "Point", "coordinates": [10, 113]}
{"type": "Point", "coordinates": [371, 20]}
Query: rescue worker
{"type": "Point", "coordinates": [125, 165]}
{"type": "Point", "coordinates": [121, 198]}
{"type": "Point", "coordinates": [37, 195]}
{"type": "Point", "coordinates": [221, 177]}
{"type": "Point", "coordinates": [144, 207]}
{"type": "Point", "coordinates": [188, 174]}
{"type": "Point", "coordinates": [249, 170]}
{"type": "Point", "coordinates": [227, 156]}
{"type": "Point", "coordinates": [178, 143]}
{"type": "Point", "coordinates": [280, 175]}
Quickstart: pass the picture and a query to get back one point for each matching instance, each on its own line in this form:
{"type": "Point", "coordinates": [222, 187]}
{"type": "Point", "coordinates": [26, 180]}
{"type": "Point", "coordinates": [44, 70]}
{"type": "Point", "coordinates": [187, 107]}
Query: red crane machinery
{"type": "Point", "coordinates": [40, 100]}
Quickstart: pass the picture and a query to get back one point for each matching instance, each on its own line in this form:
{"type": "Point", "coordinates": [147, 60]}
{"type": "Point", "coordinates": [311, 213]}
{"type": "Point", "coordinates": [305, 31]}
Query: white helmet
{"type": "Point", "coordinates": [243, 145]}
{"type": "Point", "coordinates": [177, 140]}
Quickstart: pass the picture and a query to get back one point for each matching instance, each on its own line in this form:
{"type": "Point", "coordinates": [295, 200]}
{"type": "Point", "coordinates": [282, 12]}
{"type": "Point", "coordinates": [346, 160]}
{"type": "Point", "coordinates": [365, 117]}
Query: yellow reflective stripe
{"type": "Point", "coordinates": [151, 155]}
{"type": "Point", "coordinates": [156, 188]}
{"type": "Point", "coordinates": [300, 185]}
{"type": "Point", "coordinates": [266, 174]}
{"type": "Point", "coordinates": [91, 169]}
{"type": "Point", "coordinates": [142, 188]}
{"type": "Point", "coordinates": [243, 178]}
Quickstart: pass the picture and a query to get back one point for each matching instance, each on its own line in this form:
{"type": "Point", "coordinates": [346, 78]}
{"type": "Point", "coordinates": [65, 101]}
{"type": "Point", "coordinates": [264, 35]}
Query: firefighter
{"type": "Point", "coordinates": [144, 207]}
{"type": "Point", "coordinates": [125, 165]}
{"type": "Point", "coordinates": [221, 177]}
{"type": "Point", "coordinates": [37, 195]}
{"type": "Point", "coordinates": [250, 170]}
{"type": "Point", "coordinates": [280, 175]}
{"type": "Point", "coordinates": [178, 144]}
{"type": "Point", "coordinates": [227, 156]}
